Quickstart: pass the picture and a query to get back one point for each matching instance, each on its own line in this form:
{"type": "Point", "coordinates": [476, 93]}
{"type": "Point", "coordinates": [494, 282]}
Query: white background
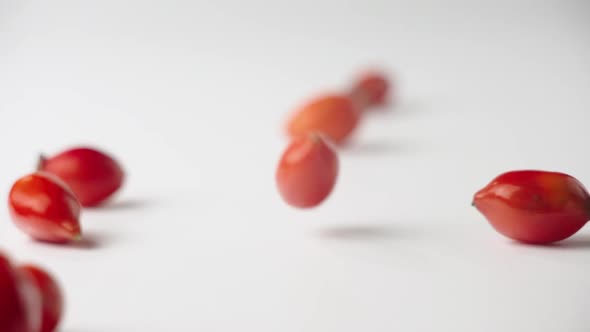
{"type": "Point", "coordinates": [191, 97]}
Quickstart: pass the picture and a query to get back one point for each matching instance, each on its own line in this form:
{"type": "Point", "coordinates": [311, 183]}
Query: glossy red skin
{"type": "Point", "coordinates": [32, 299]}
{"type": "Point", "coordinates": [370, 90]}
{"type": "Point", "coordinates": [43, 207]}
{"type": "Point", "coordinates": [334, 116]}
{"type": "Point", "coordinates": [20, 303]}
{"type": "Point", "coordinates": [535, 207]}
{"type": "Point", "coordinates": [51, 297]}
{"type": "Point", "coordinates": [91, 174]}
{"type": "Point", "coordinates": [307, 171]}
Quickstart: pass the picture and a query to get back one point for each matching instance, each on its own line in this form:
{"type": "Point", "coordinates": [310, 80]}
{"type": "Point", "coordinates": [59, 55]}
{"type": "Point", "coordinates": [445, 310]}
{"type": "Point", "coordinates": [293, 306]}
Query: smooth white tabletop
{"type": "Point", "coordinates": [191, 96]}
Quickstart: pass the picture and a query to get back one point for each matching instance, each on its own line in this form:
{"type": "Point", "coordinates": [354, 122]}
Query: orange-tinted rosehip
{"type": "Point", "coordinates": [20, 302]}
{"type": "Point", "coordinates": [307, 171]}
{"type": "Point", "coordinates": [91, 174]}
{"type": "Point", "coordinates": [52, 301]}
{"type": "Point", "coordinates": [43, 207]}
{"type": "Point", "coordinates": [333, 116]}
{"type": "Point", "coordinates": [370, 89]}
{"type": "Point", "coordinates": [534, 206]}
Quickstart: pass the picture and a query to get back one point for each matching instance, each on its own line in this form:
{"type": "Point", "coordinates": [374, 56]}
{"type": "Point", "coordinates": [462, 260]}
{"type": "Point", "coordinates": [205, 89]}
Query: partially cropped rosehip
{"type": "Point", "coordinates": [93, 175]}
{"type": "Point", "coordinates": [20, 302]}
{"type": "Point", "coordinates": [52, 301]}
{"type": "Point", "coordinates": [534, 206]}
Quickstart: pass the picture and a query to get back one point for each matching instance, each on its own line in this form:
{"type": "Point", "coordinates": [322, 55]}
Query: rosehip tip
{"type": "Point", "coordinates": [77, 237]}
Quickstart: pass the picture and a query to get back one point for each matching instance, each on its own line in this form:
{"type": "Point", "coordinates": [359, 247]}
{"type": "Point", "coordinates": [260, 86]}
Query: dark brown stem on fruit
{"type": "Point", "coordinates": [41, 162]}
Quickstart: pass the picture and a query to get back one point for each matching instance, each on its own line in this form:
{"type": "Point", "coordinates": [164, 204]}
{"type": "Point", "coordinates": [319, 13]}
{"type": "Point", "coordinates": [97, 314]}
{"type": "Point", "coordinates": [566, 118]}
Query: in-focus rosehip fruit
{"type": "Point", "coordinates": [370, 89]}
{"type": "Point", "coordinates": [307, 171]}
{"type": "Point", "coordinates": [20, 302]}
{"type": "Point", "coordinates": [91, 174]}
{"type": "Point", "coordinates": [534, 207]}
{"type": "Point", "coordinates": [333, 116]}
{"type": "Point", "coordinates": [44, 207]}
{"type": "Point", "coordinates": [52, 301]}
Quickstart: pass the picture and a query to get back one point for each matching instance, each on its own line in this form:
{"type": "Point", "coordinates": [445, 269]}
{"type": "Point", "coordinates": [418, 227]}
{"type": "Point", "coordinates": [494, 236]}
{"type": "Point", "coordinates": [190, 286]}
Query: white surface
{"type": "Point", "coordinates": [191, 96]}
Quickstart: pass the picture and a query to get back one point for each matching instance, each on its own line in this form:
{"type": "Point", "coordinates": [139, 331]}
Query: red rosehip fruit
{"type": "Point", "coordinates": [534, 206]}
{"type": "Point", "coordinates": [307, 171]}
{"type": "Point", "coordinates": [371, 89]}
{"type": "Point", "coordinates": [52, 301]}
{"type": "Point", "coordinates": [44, 207]}
{"type": "Point", "coordinates": [91, 174]}
{"type": "Point", "coordinates": [333, 116]}
{"type": "Point", "coordinates": [20, 302]}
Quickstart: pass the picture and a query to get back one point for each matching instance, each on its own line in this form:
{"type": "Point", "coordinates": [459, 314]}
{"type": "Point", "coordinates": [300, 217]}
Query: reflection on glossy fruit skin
{"type": "Point", "coordinates": [91, 174]}
{"type": "Point", "coordinates": [51, 297]}
{"type": "Point", "coordinates": [534, 206]}
{"type": "Point", "coordinates": [43, 207]}
{"type": "Point", "coordinates": [20, 302]}
{"type": "Point", "coordinates": [334, 116]}
{"type": "Point", "coordinates": [307, 171]}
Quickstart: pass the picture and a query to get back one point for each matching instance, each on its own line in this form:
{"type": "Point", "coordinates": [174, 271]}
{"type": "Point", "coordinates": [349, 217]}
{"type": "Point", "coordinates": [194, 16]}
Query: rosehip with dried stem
{"type": "Point", "coordinates": [535, 207]}
{"type": "Point", "coordinates": [92, 175]}
{"type": "Point", "coordinates": [307, 171]}
{"type": "Point", "coordinates": [44, 207]}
